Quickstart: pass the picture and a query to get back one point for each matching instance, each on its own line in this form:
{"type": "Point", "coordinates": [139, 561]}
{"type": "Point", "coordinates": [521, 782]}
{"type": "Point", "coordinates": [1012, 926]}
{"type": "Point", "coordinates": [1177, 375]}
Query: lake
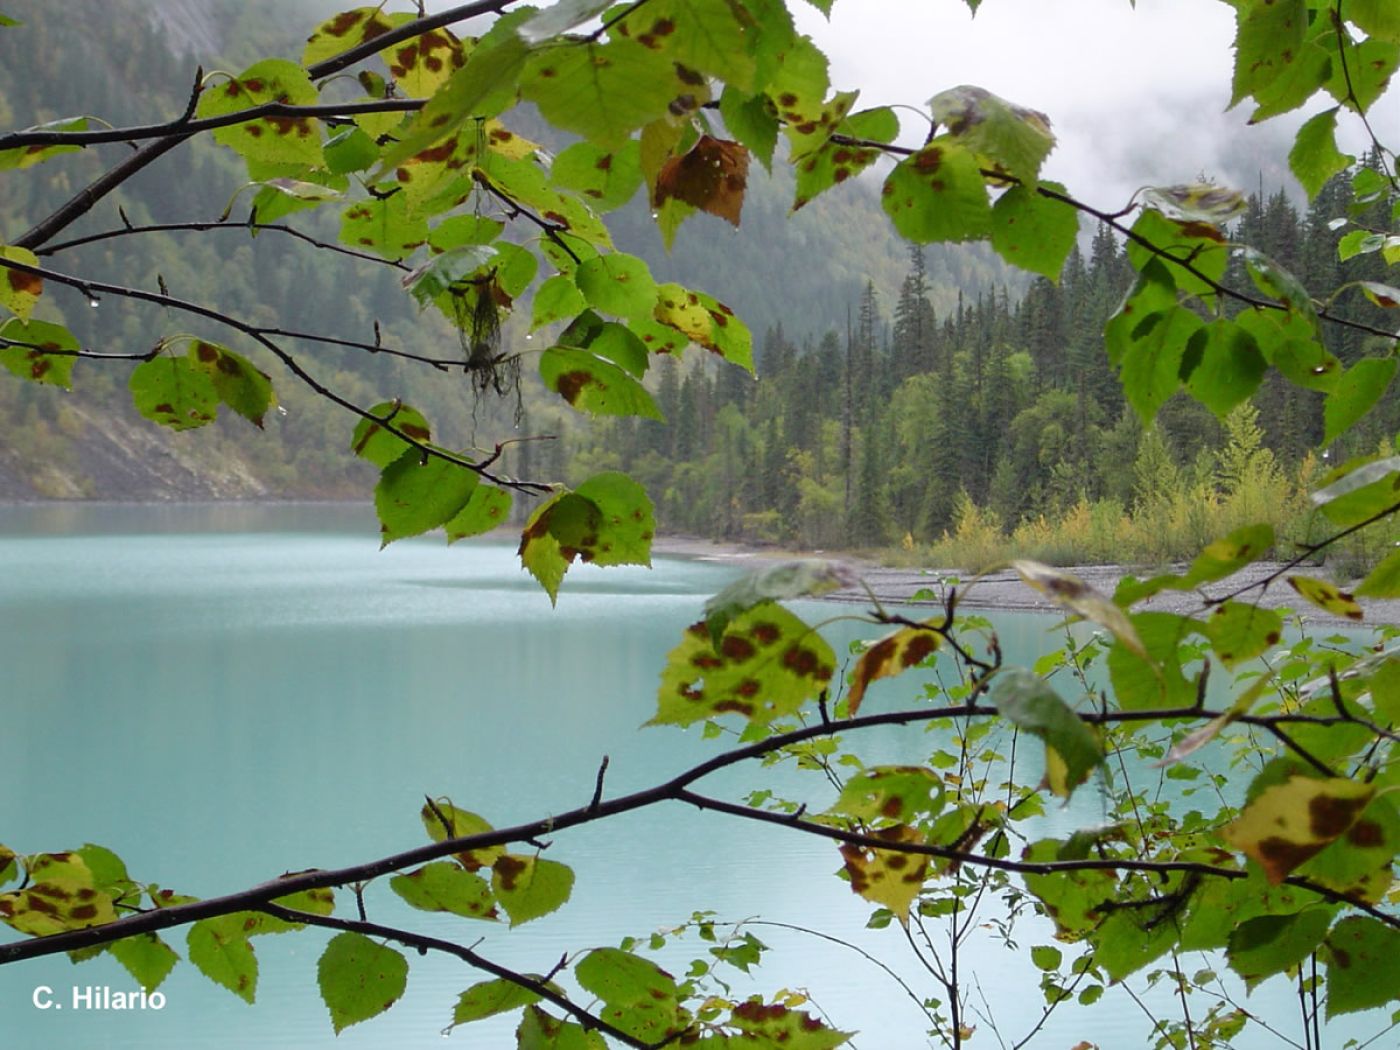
{"type": "Point", "coordinates": [223, 693]}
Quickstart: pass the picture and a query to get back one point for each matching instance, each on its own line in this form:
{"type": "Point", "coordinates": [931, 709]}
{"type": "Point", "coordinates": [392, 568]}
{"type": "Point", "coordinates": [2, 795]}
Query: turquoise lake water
{"type": "Point", "coordinates": [221, 694]}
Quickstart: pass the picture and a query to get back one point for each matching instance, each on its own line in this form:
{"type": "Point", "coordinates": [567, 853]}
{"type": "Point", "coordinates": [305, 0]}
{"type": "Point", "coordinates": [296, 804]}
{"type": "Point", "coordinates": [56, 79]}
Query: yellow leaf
{"type": "Point", "coordinates": [887, 877]}
{"type": "Point", "coordinates": [889, 656]}
{"type": "Point", "coordinates": [1291, 822]}
{"type": "Point", "coordinates": [1327, 596]}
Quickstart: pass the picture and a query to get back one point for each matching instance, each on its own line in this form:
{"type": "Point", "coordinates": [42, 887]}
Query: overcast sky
{"type": "Point", "coordinates": [1135, 96]}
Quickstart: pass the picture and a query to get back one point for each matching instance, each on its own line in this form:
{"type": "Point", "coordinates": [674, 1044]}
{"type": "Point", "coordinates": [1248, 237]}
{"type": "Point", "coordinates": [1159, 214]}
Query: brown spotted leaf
{"type": "Point", "coordinates": [887, 877]}
{"type": "Point", "coordinates": [529, 887]}
{"type": "Point", "coordinates": [1011, 138]}
{"type": "Point", "coordinates": [1072, 593]}
{"type": "Point", "coordinates": [19, 291]}
{"type": "Point", "coordinates": [240, 384]}
{"type": "Point", "coordinates": [1238, 631]}
{"type": "Point", "coordinates": [220, 948]}
{"type": "Point", "coordinates": [175, 392]}
{"type": "Point", "coordinates": [26, 349]}
{"type": "Point", "coordinates": [1291, 822]}
{"type": "Point", "coordinates": [271, 140]}
{"type": "Point", "coordinates": [1363, 965]}
{"type": "Point", "coordinates": [444, 886]}
{"type": "Point", "coordinates": [711, 177]}
{"type": "Point", "coordinates": [424, 63]}
{"type": "Point", "coordinates": [442, 821]}
{"type": "Point", "coordinates": [902, 794]}
{"type": "Point", "coordinates": [60, 893]}
{"type": "Point", "coordinates": [1327, 596]}
{"type": "Point", "coordinates": [805, 578]}
{"type": "Point", "coordinates": [891, 655]}
{"type": "Point", "coordinates": [767, 665]}
{"type": "Point", "coordinates": [346, 30]}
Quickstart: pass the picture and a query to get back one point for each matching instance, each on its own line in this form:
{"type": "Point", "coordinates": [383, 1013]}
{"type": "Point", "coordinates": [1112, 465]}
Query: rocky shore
{"type": "Point", "coordinates": [1004, 590]}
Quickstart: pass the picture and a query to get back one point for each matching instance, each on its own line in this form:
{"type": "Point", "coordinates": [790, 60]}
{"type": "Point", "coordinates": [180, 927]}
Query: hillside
{"type": "Point", "coordinates": [805, 272]}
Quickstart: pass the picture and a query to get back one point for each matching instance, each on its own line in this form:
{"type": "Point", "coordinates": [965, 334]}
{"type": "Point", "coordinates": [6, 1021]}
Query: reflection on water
{"type": "Point", "coordinates": [223, 693]}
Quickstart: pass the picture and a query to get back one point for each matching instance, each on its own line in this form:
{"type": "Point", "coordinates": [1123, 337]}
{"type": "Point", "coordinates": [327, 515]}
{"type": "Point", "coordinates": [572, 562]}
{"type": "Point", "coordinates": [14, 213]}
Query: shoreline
{"type": "Point", "coordinates": [1004, 591]}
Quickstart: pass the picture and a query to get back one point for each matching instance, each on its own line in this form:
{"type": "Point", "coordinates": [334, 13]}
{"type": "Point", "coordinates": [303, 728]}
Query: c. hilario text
{"type": "Point", "coordinates": [97, 997]}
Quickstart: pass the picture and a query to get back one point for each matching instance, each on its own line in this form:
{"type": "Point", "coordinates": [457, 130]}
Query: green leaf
{"type": "Point", "coordinates": [601, 91]}
{"type": "Point", "coordinates": [174, 392]}
{"type": "Point", "coordinates": [350, 150]}
{"type": "Point", "coordinates": [1273, 280]}
{"type": "Point", "coordinates": [1356, 393]}
{"type": "Point", "coordinates": [1287, 823]}
{"type": "Point", "coordinates": [30, 360]}
{"type": "Point", "coordinates": [489, 998]}
{"type": "Point", "coordinates": [1363, 965]}
{"type": "Point", "coordinates": [1026, 700]}
{"type": "Point", "coordinates": [752, 121]}
{"type": "Point", "coordinates": [244, 388]}
{"type": "Point", "coordinates": [359, 979]}
{"type": "Point", "coordinates": [1034, 232]}
{"type": "Point", "coordinates": [1158, 681]}
{"type": "Point", "coordinates": [418, 492]}
{"type": "Point", "coordinates": [779, 581]}
{"type": "Point", "coordinates": [1268, 38]}
{"type": "Point", "coordinates": [220, 948]}
{"type": "Point", "coordinates": [617, 283]}
{"type": "Point", "coordinates": [384, 226]}
{"type": "Point", "coordinates": [1377, 18]}
{"type": "Point", "coordinates": [27, 156]}
{"type": "Point", "coordinates": [902, 794]}
{"type": "Point", "coordinates": [444, 886]}
{"type": "Point", "coordinates": [1238, 632]}
{"type": "Point", "coordinates": [530, 887]}
{"type": "Point", "coordinates": [1383, 581]}
{"type": "Point", "coordinates": [437, 276]}
{"type": "Point", "coordinates": [271, 140]}
{"type": "Point", "coordinates": [1014, 139]}
{"type": "Point", "coordinates": [442, 820]}
{"type": "Point", "coordinates": [376, 444]}
{"type": "Point", "coordinates": [1353, 493]}
{"type": "Point", "coordinates": [1371, 64]}
{"type": "Point", "coordinates": [1268, 944]}
{"type": "Point", "coordinates": [1150, 355]}
{"type": "Point", "coordinates": [1314, 157]}
{"type": "Point", "coordinates": [1191, 241]}
{"type": "Point", "coordinates": [768, 664]}
{"type": "Point", "coordinates": [556, 299]}
{"type": "Point", "coordinates": [938, 194]}
{"type": "Point", "coordinates": [638, 996]}
{"type": "Point", "coordinates": [1046, 957]}
{"type": "Point", "coordinates": [487, 508]}
{"type": "Point", "coordinates": [626, 521]}
{"type": "Point", "coordinates": [541, 1031]}
{"type": "Point", "coordinates": [591, 384]}
{"type": "Point", "coordinates": [523, 181]}
{"type": "Point", "coordinates": [1222, 366]}
{"type": "Point", "coordinates": [609, 179]}
{"type": "Point", "coordinates": [1289, 342]}
{"type": "Point", "coordinates": [19, 292]}
{"type": "Point", "coordinates": [146, 957]}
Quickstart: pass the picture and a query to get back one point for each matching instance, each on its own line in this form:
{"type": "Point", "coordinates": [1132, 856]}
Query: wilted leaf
{"type": "Point", "coordinates": [1197, 202]}
{"type": "Point", "coordinates": [711, 176]}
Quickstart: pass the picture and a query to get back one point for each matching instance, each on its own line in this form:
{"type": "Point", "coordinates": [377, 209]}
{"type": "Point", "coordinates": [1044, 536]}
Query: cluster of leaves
{"type": "Point", "coordinates": [426, 173]}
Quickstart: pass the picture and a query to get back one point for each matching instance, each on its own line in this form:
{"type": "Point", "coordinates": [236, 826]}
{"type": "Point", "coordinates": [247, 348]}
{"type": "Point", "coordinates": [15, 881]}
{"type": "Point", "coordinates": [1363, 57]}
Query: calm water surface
{"type": "Point", "coordinates": [220, 694]}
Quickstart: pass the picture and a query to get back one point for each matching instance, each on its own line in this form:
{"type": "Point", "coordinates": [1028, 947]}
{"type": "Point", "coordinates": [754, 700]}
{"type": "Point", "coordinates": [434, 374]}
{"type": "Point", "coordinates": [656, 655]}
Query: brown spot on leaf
{"type": "Point", "coordinates": [764, 633]}
{"type": "Point", "coordinates": [1328, 817]}
{"type": "Point", "coordinates": [508, 870]}
{"type": "Point", "coordinates": [733, 647]}
{"type": "Point", "coordinates": [800, 661]}
{"type": "Point", "coordinates": [1366, 833]}
{"type": "Point", "coordinates": [24, 283]}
